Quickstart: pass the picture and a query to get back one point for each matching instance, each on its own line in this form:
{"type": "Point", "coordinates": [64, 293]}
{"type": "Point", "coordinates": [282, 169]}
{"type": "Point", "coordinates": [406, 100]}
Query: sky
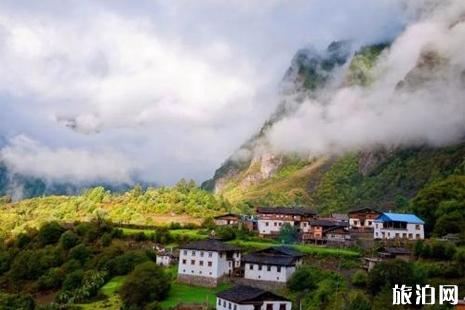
{"type": "Point", "coordinates": [155, 91]}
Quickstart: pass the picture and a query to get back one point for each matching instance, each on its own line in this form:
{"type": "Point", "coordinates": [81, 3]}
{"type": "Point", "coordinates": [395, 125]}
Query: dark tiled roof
{"type": "Point", "coordinates": [337, 228]}
{"type": "Point", "coordinates": [210, 245]}
{"type": "Point", "coordinates": [243, 294]}
{"type": "Point", "coordinates": [286, 211]}
{"type": "Point", "coordinates": [280, 256]}
{"type": "Point", "coordinates": [340, 216]}
{"type": "Point", "coordinates": [363, 209]}
{"type": "Point", "coordinates": [326, 223]}
{"type": "Point", "coordinates": [227, 215]}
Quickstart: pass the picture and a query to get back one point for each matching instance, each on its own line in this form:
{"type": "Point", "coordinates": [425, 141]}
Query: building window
{"type": "Point", "coordinates": [376, 226]}
{"type": "Point", "coordinates": [259, 267]}
{"type": "Point", "coordinates": [369, 223]}
{"type": "Point", "coordinates": [209, 264]}
{"type": "Point", "coordinates": [224, 303]}
{"type": "Point", "coordinates": [282, 306]}
{"type": "Point", "coordinates": [184, 261]}
{"type": "Point", "coordinates": [269, 307]}
{"type": "Point", "coordinates": [268, 268]}
{"type": "Point", "coordinates": [201, 254]}
{"type": "Point", "coordinates": [185, 252]}
{"type": "Point", "coordinates": [219, 302]}
{"type": "Point", "coordinates": [267, 224]}
{"type": "Point", "coordinates": [210, 254]}
{"type": "Point", "coordinates": [201, 262]}
{"type": "Point", "coordinates": [229, 305]}
{"type": "Point", "coordinates": [376, 234]}
{"type": "Point", "coordinates": [410, 236]}
{"type": "Point", "coordinates": [404, 235]}
{"type": "Point", "coordinates": [418, 236]}
{"type": "Point", "coordinates": [278, 268]}
{"type": "Point", "coordinates": [192, 262]}
{"type": "Point", "coordinates": [417, 227]}
{"type": "Point", "coordinates": [275, 224]}
{"type": "Point", "coordinates": [193, 253]}
{"type": "Point", "coordinates": [251, 267]}
{"type": "Point", "coordinates": [235, 307]}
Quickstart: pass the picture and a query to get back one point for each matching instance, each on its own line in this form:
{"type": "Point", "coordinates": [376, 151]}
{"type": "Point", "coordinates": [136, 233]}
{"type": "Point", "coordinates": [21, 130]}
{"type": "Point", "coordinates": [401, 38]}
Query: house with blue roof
{"type": "Point", "coordinates": [398, 226]}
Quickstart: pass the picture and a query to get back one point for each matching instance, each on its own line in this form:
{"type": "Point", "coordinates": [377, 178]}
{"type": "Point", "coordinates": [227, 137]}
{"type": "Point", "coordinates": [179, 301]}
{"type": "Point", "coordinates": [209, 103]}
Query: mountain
{"type": "Point", "coordinates": [381, 177]}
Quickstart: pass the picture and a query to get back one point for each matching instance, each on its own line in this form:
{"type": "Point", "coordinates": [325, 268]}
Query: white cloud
{"type": "Point", "coordinates": [28, 157]}
{"type": "Point", "coordinates": [175, 86]}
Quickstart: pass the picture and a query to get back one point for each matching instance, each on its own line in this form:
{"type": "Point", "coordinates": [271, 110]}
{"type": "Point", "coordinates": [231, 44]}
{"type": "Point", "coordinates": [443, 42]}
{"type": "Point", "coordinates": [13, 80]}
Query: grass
{"type": "Point", "coordinates": [113, 285]}
{"type": "Point", "coordinates": [193, 234]}
{"type": "Point", "coordinates": [183, 293]}
{"type": "Point", "coordinates": [304, 248]}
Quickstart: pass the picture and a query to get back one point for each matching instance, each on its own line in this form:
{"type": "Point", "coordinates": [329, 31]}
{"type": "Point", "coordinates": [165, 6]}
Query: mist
{"type": "Point", "coordinates": [95, 90]}
{"type": "Point", "coordinates": [417, 97]}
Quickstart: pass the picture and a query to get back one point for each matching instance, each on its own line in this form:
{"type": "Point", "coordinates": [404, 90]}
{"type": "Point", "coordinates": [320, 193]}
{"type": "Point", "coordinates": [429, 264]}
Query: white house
{"type": "Point", "coordinates": [205, 262]}
{"type": "Point", "coordinates": [362, 218]}
{"type": "Point", "coordinates": [166, 258]}
{"type": "Point", "coordinates": [398, 226]}
{"type": "Point", "coordinates": [271, 219]}
{"type": "Point", "coordinates": [250, 298]}
{"type": "Point", "coordinates": [275, 264]}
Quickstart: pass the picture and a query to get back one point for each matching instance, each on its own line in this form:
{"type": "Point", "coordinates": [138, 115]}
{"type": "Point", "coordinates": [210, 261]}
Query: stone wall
{"type": "Point", "coordinates": [198, 280]}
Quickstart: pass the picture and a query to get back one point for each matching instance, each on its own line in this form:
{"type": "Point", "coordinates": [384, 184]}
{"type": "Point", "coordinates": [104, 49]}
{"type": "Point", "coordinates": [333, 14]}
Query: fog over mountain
{"type": "Point", "coordinates": [98, 92]}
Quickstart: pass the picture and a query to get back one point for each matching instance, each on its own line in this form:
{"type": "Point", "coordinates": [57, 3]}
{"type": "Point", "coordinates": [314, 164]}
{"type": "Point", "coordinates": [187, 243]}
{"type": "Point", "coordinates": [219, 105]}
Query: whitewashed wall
{"type": "Point", "coordinates": [222, 304]}
{"type": "Point", "coordinates": [219, 265]}
{"type": "Point", "coordinates": [412, 232]}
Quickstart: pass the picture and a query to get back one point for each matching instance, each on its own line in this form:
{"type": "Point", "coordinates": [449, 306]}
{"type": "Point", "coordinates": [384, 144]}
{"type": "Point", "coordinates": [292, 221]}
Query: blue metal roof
{"type": "Point", "coordinates": [399, 217]}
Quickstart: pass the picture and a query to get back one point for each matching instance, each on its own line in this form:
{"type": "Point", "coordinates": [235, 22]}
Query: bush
{"type": "Point", "coordinates": [51, 280]}
{"type": "Point", "coordinates": [359, 302]}
{"type": "Point", "coordinates": [360, 278]}
{"type": "Point", "coordinates": [26, 265]}
{"type": "Point", "coordinates": [80, 253]}
{"type": "Point", "coordinates": [146, 284]}
{"type": "Point", "coordinates": [288, 234]}
{"type": "Point", "coordinates": [69, 239]}
{"type": "Point", "coordinates": [389, 273]}
{"type": "Point", "coordinates": [304, 278]}
{"type": "Point", "coordinates": [106, 238]}
{"type": "Point", "coordinates": [226, 233]}
{"type": "Point", "coordinates": [73, 280]}
{"type": "Point", "coordinates": [125, 263]}
{"type": "Point", "coordinates": [16, 302]}
{"type": "Point", "coordinates": [22, 240]}
{"type": "Point", "coordinates": [50, 233]}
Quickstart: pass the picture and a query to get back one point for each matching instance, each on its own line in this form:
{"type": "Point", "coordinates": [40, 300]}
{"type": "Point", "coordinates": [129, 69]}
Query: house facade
{"type": "Point", "coordinates": [326, 229]}
{"type": "Point", "coordinates": [398, 226]}
{"type": "Point", "coordinates": [167, 258]}
{"type": "Point", "coordinates": [227, 219]}
{"type": "Point", "coordinates": [271, 219]}
{"type": "Point", "coordinates": [243, 297]}
{"type": "Point", "coordinates": [275, 264]}
{"type": "Point", "coordinates": [205, 262]}
{"type": "Point", "coordinates": [362, 218]}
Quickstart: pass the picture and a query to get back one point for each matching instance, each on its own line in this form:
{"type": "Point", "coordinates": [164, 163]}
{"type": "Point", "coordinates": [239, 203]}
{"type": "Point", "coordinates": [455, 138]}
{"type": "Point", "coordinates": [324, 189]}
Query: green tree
{"type": "Point", "coordinates": [16, 302]}
{"type": "Point", "coordinates": [80, 253]}
{"type": "Point", "coordinates": [359, 302]}
{"type": "Point", "coordinates": [69, 239]}
{"type": "Point", "coordinates": [304, 278]}
{"type": "Point", "coordinates": [360, 278]}
{"type": "Point", "coordinates": [50, 233]}
{"type": "Point", "coordinates": [288, 234]}
{"type": "Point", "coordinates": [147, 283]}
{"type": "Point", "coordinates": [389, 273]}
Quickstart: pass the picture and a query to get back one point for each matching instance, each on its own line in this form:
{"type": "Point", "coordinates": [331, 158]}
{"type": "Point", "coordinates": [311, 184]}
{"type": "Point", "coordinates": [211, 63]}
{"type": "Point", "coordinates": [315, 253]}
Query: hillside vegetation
{"type": "Point", "coordinates": [182, 202]}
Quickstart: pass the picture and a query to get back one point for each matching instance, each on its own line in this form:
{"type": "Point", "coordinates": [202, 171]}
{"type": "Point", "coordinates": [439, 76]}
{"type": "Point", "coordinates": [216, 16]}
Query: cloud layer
{"type": "Point", "coordinates": [417, 97]}
{"type": "Point", "coordinates": [159, 90]}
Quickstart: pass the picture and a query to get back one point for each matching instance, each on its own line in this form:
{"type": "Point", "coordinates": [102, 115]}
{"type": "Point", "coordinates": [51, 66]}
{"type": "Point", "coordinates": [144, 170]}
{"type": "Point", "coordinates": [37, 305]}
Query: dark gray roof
{"type": "Point", "coordinates": [227, 215]}
{"type": "Point", "coordinates": [243, 294]}
{"type": "Point", "coordinates": [363, 209]}
{"type": "Point", "coordinates": [280, 256]}
{"type": "Point", "coordinates": [286, 211]}
{"type": "Point", "coordinates": [326, 223]}
{"type": "Point", "coordinates": [210, 245]}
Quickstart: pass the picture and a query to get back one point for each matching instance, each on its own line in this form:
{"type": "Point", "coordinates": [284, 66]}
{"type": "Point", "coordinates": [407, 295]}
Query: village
{"type": "Point", "coordinates": [258, 274]}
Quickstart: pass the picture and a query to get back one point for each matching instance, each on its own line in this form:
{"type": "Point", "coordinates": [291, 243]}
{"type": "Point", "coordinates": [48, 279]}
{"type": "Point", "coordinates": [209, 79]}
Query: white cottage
{"type": "Point", "coordinates": [271, 219]}
{"type": "Point", "coordinates": [398, 226]}
{"type": "Point", "coordinates": [167, 258]}
{"type": "Point", "coordinates": [205, 262]}
{"type": "Point", "coordinates": [275, 264]}
{"type": "Point", "coordinates": [250, 298]}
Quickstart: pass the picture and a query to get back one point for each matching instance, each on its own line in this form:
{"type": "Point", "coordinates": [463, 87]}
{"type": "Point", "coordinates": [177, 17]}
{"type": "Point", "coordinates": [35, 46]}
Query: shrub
{"type": "Point", "coordinates": [147, 283]}
{"type": "Point", "coordinates": [26, 265]}
{"type": "Point", "coordinates": [288, 234]}
{"type": "Point", "coordinates": [360, 278]}
{"type": "Point", "coordinates": [73, 280]}
{"type": "Point", "coordinates": [304, 278]}
{"type": "Point", "coordinates": [106, 238]}
{"type": "Point", "coordinates": [69, 239]}
{"type": "Point", "coordinates": [389, 273]}
{"type": "Point", "coordinates": [50, 233]}
{"type": "Point", "coordinates": [226, 233]}
{"type": "Point", "coordinates": [22, 240]}
{"type": "Point", "coordinates": [359, 302]}
{"type": "Point", "coordinates": [16, 302]}
{"type": "Point", "coordinates": [51, 280]}
{"type": "Point", "coordinates": [80, 253]}
{"type": "Point", "coordinates": [125, 263]}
